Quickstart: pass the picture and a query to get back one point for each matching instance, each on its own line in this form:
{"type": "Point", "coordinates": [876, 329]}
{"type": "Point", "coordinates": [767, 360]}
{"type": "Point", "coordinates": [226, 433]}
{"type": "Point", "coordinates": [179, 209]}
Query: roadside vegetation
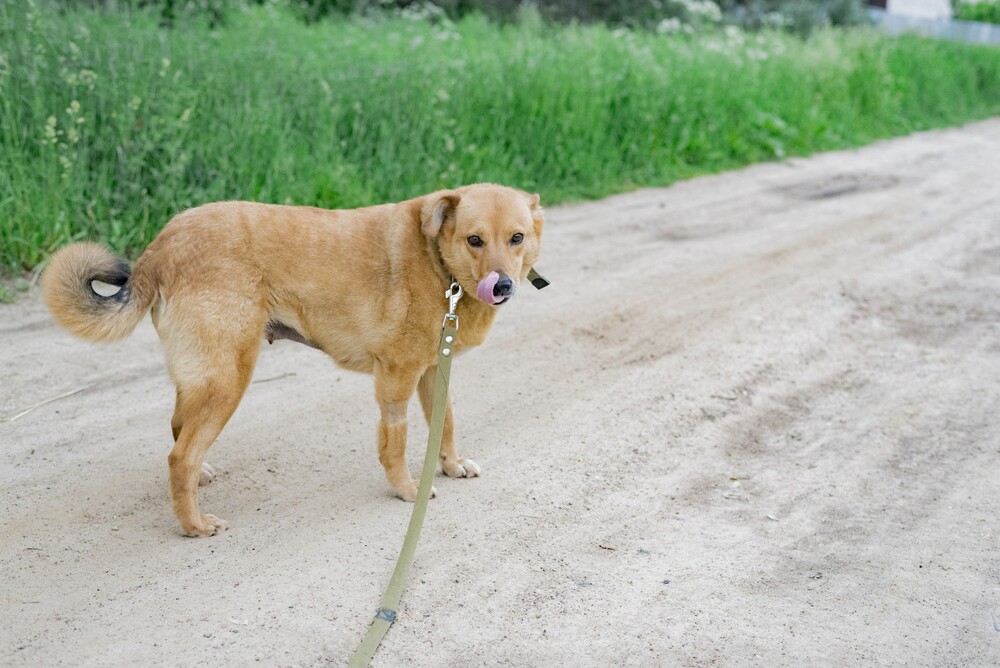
{"type": "Point", "coordinates": [110, 122]}
{"type": "Point", "coordinates": [984, 11]}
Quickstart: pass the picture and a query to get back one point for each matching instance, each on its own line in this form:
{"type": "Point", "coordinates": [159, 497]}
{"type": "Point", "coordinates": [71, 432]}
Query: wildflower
{"type": "Point", "coordinates": [701, 10]}
{"type": "Point", "coordinates": [51, 133]}
{"type": "Point", "coordinates": [67, 165]}
{"type": "Point", "coordinates": [135, 103]}
{"type": "Point", "coordinates": [186, 116]}
{"type": "Point", "coordinates": [776, 20]}
{"type": "Point", "coordinates": [74, 108]}
{"type": "Point", "coordinates": [673, 24]}
{"type": "Point", "coordinates": [421, 11]}
{"type": "Point", "coordinates": [707, 9]}
{"type": "Point", "coordinates": [88, 78]}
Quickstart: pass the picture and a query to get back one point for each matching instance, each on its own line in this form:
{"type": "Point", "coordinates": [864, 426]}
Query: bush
{"type": "Point", "coordinates": [985, 12]}
{"type": "Point", "coordinates": [800, 16]}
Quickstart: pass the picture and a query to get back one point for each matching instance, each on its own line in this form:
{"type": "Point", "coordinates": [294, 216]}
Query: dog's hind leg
{"type": "Point", "coordinates": [211, 370]}
{"type": "Point", "coordinates": [207, 472]}
{"type": "Point", "coordinates": [453, 465]}
{"type": "Point", "coordinates": [202, 411]}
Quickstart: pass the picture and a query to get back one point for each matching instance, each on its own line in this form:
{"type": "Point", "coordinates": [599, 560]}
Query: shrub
{"type": "Point", "coordinates": [800, 16]}
{"type": "Point", "coordinates": [985, 12]}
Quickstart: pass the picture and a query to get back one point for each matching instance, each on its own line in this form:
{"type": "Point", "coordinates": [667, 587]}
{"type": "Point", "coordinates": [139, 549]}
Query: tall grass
{"type": "Point", "coordinates": [110, 124]}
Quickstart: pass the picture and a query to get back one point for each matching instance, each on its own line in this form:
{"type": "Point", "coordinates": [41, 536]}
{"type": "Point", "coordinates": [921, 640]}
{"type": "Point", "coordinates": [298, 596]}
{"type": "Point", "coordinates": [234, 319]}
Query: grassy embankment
{"type": "Point", "coordinates": [109, 124]}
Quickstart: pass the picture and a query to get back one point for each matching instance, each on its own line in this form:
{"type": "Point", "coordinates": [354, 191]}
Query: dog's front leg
{"type": "Point", "coordinates": [453, 465]}
{"type": "Point", "coordinates": [394, 386]}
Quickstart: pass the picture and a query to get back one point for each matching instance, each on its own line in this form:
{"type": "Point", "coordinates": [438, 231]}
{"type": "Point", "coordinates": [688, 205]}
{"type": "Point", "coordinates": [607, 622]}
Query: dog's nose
{"type": "Point", "coordinates": [504, 287]}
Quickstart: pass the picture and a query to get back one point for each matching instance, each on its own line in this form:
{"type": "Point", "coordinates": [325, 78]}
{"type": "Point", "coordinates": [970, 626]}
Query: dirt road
{"type": "Point", "coordinates": [754, 421]}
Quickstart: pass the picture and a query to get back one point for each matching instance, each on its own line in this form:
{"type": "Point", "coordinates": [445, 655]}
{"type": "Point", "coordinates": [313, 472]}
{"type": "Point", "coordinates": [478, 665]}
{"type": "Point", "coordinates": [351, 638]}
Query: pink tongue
{"type": "Point", "coordinates": [485, 289]}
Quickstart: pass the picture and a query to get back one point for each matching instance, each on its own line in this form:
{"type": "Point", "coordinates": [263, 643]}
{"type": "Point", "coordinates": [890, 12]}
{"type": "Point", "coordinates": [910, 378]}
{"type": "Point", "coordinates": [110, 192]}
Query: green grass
{"type": "Point", "coordinates": [109, 125]}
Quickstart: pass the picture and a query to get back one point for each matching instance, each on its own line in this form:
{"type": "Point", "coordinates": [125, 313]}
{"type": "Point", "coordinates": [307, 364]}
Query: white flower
{"type": "Point", "coordinates": [50, 131]}
{"type": "Point", "coordinates": [673, 24]}
{"type": "Point", "coordinates": [88, 78]}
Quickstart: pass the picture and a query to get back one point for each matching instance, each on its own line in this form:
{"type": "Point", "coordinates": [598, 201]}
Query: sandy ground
{"type": "Point", "coordinates": [754, 421]}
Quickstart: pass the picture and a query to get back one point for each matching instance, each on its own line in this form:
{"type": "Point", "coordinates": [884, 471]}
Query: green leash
{"type": "Point", "coordinates": [386, 614]}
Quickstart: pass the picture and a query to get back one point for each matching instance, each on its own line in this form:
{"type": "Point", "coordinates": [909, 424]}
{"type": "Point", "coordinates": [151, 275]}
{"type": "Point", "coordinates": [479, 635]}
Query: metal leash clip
{"type": "Point", "coordinates": [452, 294]}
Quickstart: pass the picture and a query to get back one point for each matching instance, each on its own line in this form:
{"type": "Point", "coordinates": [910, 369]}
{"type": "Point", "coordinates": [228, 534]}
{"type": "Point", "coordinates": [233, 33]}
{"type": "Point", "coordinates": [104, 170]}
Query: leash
{"type": "Point", "coordinates": [387, 611]}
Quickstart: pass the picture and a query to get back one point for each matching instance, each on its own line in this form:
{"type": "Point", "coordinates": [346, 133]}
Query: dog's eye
{"type": "Point", "coordinates": [516, 239]}
{"type": "Point", "coordinates": [475, 241]}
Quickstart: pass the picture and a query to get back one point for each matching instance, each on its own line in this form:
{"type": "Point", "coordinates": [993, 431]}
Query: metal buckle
{"type": "Point", "coordinates": [452, 294]}
{"type": "Point", "coordinates": [386, 615]}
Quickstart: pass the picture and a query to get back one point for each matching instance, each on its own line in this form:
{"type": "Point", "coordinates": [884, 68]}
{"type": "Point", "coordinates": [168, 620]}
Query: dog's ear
{"type": "Point", "coordinates": [537, 215]}
{"type": "Point", "coordinates": [438, 209]}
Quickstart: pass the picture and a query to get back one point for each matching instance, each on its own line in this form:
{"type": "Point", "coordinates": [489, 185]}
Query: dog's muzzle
{"type": "Point", "coordinates": [495, 289]}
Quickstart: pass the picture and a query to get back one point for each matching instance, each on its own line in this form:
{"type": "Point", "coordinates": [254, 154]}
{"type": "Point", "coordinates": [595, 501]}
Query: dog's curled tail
{"type": "Point", "coordinates": [68, 288]}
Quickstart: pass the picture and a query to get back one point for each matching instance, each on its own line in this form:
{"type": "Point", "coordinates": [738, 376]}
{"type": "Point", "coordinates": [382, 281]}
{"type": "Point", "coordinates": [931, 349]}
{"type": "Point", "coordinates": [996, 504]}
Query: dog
{"type": "Point", "coordinates": [366, 286]}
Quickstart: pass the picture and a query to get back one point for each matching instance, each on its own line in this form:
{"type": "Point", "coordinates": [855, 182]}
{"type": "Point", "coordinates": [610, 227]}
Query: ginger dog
{"type": "Point", "coordinates": [365, 286]}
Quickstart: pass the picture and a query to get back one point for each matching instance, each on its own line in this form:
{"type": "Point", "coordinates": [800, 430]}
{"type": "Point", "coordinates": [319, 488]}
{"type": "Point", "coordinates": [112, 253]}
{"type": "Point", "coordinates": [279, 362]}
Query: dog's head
{"type": "Point", "coordinates": [489, 237]}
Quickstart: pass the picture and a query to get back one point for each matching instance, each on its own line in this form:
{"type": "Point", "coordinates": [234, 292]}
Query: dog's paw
{"type": "Point", "coordinates": [408, 492]}
{"type": "Point", "coordinates": [208, 526]}
{"type": "Point", "coordinates": [207, 474]}
{"type": "Point", "coordinates": [460, 468]}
